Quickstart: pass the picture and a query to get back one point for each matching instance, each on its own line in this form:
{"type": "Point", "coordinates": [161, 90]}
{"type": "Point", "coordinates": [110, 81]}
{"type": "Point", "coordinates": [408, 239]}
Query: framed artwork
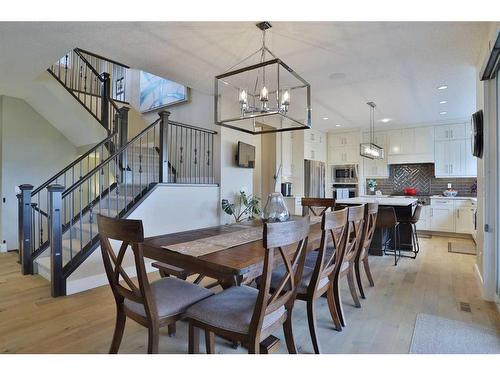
{"type": "Point", "coordinates": [157, 92]}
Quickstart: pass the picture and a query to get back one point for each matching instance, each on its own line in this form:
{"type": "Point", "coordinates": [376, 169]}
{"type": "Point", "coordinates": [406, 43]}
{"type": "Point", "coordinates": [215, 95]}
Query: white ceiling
{"type": "Point", "coordinates": [398, 65]}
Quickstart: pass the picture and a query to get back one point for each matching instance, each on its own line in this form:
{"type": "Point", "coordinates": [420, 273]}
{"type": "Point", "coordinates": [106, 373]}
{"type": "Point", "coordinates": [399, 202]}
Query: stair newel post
{"type": "Point", "coordinates": [123, 139]}
{"type": "Point", "coordinates": [58, 283]}
{"type": "Point", "coordinates": [25, 229]}
{"type": "Point", "coordinates": [105, 94]}
{"type": "Point", "coordinates": [163, 173]}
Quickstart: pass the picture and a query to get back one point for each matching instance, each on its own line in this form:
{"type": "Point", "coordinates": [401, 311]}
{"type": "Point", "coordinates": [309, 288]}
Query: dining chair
{"type": "Point", "coordinates": [354, 236]}
{"type": "Point", "coordinates": [319, 280]}
{"type": "Point", "coordinates": [317, 206]}
{"type": "Point", "coordinates": [153, 305]}
{"type": "Point", "coordinates": [248, 315]}
{"type": "Point", "coordinates": [370, 221]}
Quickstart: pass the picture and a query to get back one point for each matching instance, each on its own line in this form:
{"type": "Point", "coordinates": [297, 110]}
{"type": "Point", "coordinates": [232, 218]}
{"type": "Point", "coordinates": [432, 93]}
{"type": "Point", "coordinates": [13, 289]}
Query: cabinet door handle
{"type": "Point", "coordinates": [458, 214]}
{"type": "Point", "coordinates": [451, 168]}
{"type": "Point", "coordinates": [451, 131]}
{"type": "Point", "coordinates": [432, 211]}
{"type": "Point", "coordinates": [446, 133]}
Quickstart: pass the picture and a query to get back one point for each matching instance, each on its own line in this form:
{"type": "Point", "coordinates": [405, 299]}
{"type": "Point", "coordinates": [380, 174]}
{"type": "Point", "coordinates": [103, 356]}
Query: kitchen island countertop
{"type": "Point", "coordinates": [383, 201]}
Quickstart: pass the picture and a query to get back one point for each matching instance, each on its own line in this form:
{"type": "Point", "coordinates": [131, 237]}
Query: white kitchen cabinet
{"type": "Point", "coordinates": [343, 139]}
{"type": "Point", "coordinates": [315, 145]}
{"type": "Point", "coordinates": [470, 161]}
{"type": "Point", "coordinates": [463, 216]}
{"type": "Point", "coordinates": [454, 159]}
{"type": "Point", "coordinates": [412, 145]}
{"type": "Point", "coordinates": [343, 148]}
{"type": "Point", "coordinates": [451, 132]}
{"type": "Point", "coordinates": [424, 222]}
{"type": "Point", "coordinates": [343, 155]}
{"type": "Point", "coordinates": [451, 215]}
{"type": "Point", "coordinates": [442, 219]}
{"type": "Point", "coordinates": [375, 168]}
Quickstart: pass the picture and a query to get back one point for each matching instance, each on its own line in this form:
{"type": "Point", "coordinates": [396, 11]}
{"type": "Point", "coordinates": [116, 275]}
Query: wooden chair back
{"type": "Point", "coordinates": [356, 216]}
{"type": "Point", "coordinates": [278, 239]}
{"type": "Point", "coordinates": [334, 226]}
{"type": "Point", "coordinates": [317, 206]}
{"type": "Point", "coordinates": [371, 211]}
{"type": "Point", "coordinates": [130, 233]}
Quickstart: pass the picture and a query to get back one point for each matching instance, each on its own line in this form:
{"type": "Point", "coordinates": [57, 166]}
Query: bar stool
{"type": "Point", "coordinates": [387, 221]}
{"type": "Point", "coordinates": [412, 222]}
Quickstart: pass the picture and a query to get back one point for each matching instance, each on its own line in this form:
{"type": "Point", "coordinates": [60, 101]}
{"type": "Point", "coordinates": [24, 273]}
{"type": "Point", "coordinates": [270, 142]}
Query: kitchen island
{"type": "Point", "coordinates": [404, 207]}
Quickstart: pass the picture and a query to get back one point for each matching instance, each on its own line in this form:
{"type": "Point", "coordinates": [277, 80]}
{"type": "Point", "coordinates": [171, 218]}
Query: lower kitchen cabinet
{"type": "Point", "coordinates": [442, 219]}
{"type": "Point", "coordinates": [464, 217]}
{"type": "Point", "coordinates": [424, 222]}
{"type": "Point", "coordinates": [450, 215]}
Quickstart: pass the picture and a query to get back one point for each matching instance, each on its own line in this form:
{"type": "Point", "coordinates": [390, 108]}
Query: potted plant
{"type": "Point", "coordinates": [245, 208]}
{"type": "Point", "coordinates": [372, 185]}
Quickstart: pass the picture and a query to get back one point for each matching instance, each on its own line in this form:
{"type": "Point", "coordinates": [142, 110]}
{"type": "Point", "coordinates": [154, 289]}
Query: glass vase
{"type": "Point", "coordinates": [275, 209]}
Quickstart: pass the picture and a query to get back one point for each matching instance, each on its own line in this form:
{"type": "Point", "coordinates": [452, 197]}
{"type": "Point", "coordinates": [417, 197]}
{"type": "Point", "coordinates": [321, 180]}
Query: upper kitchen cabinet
{"type": "Point", "coordinates": [453, 155]}
{"type": "Point", "coordinates": [343, 148]}
{"type": "Point", "coordinates": [451, 132]}
{"type": "Point", "coordinates": [413, 145]}
{"type": "Point", "coordinates": [315, 145]}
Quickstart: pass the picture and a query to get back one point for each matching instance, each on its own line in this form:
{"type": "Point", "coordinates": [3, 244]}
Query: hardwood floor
{"type": "Point", "coordinates": [434, 283]}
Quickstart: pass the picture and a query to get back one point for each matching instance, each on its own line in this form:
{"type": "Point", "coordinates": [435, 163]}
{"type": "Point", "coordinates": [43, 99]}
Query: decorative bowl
{"type": "Point", "coordinates": [450, 193]}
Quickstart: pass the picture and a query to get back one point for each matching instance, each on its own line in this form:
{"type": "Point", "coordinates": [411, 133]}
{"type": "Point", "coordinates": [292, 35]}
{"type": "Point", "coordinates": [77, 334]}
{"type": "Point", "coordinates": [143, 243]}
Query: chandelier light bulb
{"type": "Point", "coordinates": [285, 98]}
{"type": "Point", "coordinates": [243, 97]}
{"type": "Point", "coordinates": [264, 94]}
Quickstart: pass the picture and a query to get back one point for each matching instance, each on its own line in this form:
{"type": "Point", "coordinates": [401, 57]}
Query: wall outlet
{"type": "Point", "coordinates": [449, 186]}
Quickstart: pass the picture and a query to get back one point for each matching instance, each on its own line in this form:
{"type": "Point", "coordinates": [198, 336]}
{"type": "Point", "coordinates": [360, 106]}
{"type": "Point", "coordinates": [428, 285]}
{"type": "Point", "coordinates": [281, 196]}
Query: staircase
{"type": "Point", "coordinates": [57, 220]}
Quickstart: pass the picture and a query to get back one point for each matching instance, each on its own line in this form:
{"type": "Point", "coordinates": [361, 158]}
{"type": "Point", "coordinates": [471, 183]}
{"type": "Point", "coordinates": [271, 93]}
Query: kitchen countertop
{"type": "Point", "coordinates": [384, 201]}
{"type": "Point", "coordinates": [457, 197]}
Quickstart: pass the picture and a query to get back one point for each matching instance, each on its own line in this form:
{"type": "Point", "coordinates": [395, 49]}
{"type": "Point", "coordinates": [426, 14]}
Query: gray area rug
{"type": "Point", "coordinates": [461, 248]}
{"type": "Point", "coordinates": [436, 335]}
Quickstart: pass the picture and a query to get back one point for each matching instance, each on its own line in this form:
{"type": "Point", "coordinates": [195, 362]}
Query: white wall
{"type": "Point", "coordinates": [233, 178]}
{"type": "Point", "coordinates": [168, 209]}
{"type": "Point", "coordinates": [32, 150]}
{"type": "Point", "coordinates": [485, 246]}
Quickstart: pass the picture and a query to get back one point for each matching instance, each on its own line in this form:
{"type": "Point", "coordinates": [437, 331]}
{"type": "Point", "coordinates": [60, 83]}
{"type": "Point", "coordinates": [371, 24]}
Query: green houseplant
{"type": "Point", "coordinates": [245, 207]}
{"type": "Point", "coordinates": [372, 184]}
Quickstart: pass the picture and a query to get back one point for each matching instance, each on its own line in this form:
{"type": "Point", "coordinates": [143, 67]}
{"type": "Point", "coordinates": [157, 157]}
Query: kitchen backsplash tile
{"type": "Point", "coordinates": [421, 177]}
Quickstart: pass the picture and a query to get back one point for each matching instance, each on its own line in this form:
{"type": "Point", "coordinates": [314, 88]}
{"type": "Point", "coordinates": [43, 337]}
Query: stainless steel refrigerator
{"type": "Point", "coordinates": [314, 179]}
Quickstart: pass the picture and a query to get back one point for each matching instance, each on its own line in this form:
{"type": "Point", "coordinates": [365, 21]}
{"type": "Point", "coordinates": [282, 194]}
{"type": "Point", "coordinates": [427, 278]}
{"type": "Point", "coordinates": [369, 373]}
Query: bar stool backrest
{"type": "Point", "coordinates": [386, 217]}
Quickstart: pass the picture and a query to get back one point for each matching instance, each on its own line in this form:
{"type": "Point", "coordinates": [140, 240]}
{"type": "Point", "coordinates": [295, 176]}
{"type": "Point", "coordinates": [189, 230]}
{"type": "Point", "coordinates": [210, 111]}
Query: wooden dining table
{"type": "Point", "coordinates": [233, 266]}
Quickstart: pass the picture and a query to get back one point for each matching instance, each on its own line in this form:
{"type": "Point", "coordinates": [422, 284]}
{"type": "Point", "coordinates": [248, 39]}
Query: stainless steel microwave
{"type": "Point", "coordinates": [344, 173]}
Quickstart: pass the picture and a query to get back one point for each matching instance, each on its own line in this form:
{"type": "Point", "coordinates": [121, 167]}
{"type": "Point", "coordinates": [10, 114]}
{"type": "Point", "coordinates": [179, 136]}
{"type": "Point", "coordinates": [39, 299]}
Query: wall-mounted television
{"type": "Point", "coordinates": [477, 138]}
{"type": "Point", "coordinates": [245, 156]}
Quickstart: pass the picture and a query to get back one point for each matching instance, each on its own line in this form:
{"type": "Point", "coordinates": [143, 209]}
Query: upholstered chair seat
{"type": "Point", "coordinates": [231, 310]}
{"type": "Point", "coordinates": [172, 296]}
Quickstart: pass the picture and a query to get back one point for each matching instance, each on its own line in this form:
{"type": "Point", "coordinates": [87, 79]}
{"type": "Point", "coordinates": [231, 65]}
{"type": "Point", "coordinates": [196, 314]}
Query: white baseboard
{"type": "Point", "coordinates": [478, 275]}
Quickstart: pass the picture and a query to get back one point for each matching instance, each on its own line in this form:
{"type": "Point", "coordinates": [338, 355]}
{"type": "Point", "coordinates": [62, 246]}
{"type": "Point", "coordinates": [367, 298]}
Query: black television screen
{"type": "Point", "coordinates": [477, 138]}
{"type": "Point", "coordinates": [246, 155]}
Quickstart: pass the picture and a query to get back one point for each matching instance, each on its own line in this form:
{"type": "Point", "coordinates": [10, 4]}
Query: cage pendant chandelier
{"type": "Point", "coordinates": [371, 150]}
{"type": "Point", "coordinates": [261, 94]}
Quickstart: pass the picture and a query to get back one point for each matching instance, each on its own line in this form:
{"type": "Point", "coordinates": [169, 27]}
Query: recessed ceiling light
{"type": "Point", "coordinates": [443, 102]}
{"type": "Point", "coordinates": [442, 87]}
{"type": "Point", "coordinates": [385, 119]}
{"type": "Point", "coordinates": [443, 113]}
{"type": "Point", "coordinates": [338, 125]}
{"type": "Point", "coordinates": [325, 118]}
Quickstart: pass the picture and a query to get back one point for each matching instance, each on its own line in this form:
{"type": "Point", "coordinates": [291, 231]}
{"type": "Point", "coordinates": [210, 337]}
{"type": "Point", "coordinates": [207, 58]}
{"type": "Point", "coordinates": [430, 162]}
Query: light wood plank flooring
{"type": "Point", "coordinates": [435, 283]}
